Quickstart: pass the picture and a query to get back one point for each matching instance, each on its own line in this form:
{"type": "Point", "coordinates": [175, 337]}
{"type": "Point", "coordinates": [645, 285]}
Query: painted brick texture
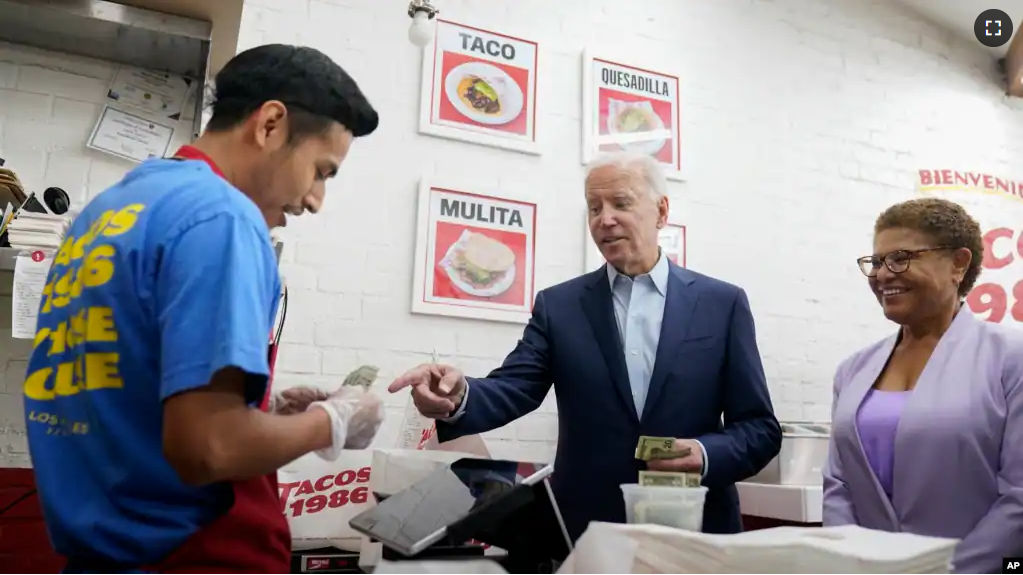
{"type": "Point", "coordinates": [794, 137]}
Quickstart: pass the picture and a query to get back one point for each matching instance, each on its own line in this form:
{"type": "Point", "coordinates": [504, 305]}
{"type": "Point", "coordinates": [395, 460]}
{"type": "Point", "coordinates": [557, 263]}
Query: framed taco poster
{"type": "Point", "coordinates": [479, 86]}
{"type": "Point", "coordinates": [475, 253]}
{"type": "Point", "coordinates": [671, 239]}
{"type": "Point", "coordinates": [631, 108]}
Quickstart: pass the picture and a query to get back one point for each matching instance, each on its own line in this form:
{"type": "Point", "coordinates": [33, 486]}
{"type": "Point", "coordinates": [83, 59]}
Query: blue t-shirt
{"type": "Point", "coordinates": [163, 280]}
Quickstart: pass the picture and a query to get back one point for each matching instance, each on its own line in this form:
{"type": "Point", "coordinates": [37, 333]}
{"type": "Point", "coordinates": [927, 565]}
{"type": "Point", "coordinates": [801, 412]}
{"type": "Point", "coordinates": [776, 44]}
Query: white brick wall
{"type": "Point", "coordinates": [801, 120]}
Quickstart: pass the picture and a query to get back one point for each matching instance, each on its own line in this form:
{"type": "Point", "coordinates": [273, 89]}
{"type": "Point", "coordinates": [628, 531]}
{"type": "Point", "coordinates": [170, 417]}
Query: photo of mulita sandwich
{"type": "Point", "coordinates": [480, 265]}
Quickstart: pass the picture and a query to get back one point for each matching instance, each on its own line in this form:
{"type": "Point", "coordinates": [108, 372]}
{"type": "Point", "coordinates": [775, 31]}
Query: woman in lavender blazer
{"type": "Point", "coordinates": [928, 423]}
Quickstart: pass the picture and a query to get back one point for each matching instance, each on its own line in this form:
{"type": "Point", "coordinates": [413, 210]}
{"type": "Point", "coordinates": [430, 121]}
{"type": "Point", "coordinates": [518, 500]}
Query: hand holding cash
{"type": "Point", "coordinates": [672, 462]}
{"type": "Point", "coordinates": [650, 448]}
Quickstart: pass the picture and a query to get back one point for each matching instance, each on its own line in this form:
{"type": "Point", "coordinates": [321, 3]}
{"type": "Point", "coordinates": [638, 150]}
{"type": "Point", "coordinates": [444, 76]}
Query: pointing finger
{"type": "Point", "coordinates": [410, 378]}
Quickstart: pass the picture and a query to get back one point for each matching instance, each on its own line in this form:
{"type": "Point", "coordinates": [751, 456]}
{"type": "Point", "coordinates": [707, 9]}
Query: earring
{"type": "Point", "coordinates": [956, 281]}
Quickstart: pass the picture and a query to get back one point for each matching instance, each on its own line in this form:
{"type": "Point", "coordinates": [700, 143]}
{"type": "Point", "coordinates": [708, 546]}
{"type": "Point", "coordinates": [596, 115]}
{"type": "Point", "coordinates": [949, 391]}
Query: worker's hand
{"type": "Point", "coordinates": [295, 399]}
{"type": "Point", "coordinates": [355, 418]}
{"type": "Point", "coordinates": [437, 390]}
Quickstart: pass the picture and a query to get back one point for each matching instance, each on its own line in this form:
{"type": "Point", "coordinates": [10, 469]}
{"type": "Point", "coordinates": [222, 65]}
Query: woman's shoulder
{"type": "Point", "coordinates": [1000, 334]}
{"type": "Point", "coordinates": [1002, 344]}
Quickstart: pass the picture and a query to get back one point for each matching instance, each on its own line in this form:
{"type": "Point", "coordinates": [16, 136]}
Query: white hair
{"type": "Point", "coordinates": [641, 165]}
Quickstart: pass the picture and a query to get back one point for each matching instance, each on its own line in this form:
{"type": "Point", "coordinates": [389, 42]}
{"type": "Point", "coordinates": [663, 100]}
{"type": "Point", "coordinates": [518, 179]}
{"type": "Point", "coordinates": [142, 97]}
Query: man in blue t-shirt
{"type": "Point", "coordinates": [151, 361]}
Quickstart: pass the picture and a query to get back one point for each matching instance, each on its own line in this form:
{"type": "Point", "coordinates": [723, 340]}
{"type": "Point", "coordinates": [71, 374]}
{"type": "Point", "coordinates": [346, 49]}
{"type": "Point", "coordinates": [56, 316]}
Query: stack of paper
{"type": "Point", "coordinates": [33, 231]}
{"type": "Point", "coordinates": [846, 549]}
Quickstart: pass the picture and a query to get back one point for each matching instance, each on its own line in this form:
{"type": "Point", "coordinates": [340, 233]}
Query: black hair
{"type": "Point", "coordinates": [316, 91]}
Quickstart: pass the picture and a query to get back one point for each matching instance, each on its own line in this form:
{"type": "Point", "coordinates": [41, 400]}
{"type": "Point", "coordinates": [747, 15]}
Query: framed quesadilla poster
{"type": "Point", "coordinates": [631, 108]}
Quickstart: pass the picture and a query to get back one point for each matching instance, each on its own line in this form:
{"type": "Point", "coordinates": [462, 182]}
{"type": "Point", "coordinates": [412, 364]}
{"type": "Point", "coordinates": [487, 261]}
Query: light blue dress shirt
{"type": "Point", "coordinates": [639, 310]}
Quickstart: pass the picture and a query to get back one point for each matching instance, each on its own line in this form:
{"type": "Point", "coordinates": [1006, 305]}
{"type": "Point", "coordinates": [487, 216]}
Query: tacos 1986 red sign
{"type": "Point", "coordinates": [480, 86]}
{"type": "Point", "coordinates": [474, 254]}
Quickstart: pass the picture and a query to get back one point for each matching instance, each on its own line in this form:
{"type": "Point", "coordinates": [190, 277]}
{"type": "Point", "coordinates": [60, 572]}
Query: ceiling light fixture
{"type": "Point", "coordinates": [421, 31]}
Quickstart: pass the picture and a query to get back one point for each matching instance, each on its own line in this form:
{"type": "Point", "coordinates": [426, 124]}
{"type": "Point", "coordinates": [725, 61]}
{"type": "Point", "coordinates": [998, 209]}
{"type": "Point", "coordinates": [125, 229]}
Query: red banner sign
{"type": "Point", "coordinates": [954, 180]}
{"type": "Point", "coordinates": [327, 492]}
{"type": "Point", "coordinates": [1000, 301]}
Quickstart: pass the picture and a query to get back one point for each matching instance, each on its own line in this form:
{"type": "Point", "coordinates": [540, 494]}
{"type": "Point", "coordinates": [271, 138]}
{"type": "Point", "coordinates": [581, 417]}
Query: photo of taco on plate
{"type": "Point", "coordinates": [479, 94]}
{"type": "Point", "coordinates": [483, 262]}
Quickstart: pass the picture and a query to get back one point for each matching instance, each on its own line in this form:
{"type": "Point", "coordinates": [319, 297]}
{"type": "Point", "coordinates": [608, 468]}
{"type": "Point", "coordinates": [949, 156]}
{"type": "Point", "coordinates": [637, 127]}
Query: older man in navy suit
{"type": "Point", "coordinates": [637, 347]}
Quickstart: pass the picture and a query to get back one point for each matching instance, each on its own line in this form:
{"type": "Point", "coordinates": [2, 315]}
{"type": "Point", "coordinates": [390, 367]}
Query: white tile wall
{"type": "Point", "coordinates": [801, 120]}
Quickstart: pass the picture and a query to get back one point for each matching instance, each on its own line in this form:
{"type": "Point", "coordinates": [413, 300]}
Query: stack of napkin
{"type": "Point", "coordinates": [845, 549]}
{"type": "Point", "coordinates": [33, 231]}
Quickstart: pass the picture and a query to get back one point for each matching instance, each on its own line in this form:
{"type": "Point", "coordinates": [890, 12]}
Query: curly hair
{"type": "Point", "coordinates": [947, 223]}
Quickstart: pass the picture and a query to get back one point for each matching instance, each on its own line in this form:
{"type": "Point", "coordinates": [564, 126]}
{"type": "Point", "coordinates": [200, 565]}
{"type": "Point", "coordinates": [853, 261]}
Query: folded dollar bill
{"type": "Point", "coordinates": [650, 448]}
{"type": "Point", "coordinates": [669, 479]}
{"type": "Point", "coordinates": [362, 377]}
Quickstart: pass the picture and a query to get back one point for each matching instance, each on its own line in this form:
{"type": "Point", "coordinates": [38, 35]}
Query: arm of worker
{"type": "Point", "coordinates": [837, 508]}
{"type": "Point", "coordinates": [751, 436]}
{"type": "Point", "coordinates": [216, 289]}
{"type": "Point", "coordinates": [509, 392]}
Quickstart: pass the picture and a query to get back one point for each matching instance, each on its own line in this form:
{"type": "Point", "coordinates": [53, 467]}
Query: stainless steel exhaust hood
{"type": "Point", "coordinates": [113, 32]}
{"type": "Point", "coordinates": [109, 31]}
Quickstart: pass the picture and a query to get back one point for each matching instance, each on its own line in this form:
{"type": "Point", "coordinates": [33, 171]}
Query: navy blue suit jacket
{"type": "Point", "coordinates": [708, 384]}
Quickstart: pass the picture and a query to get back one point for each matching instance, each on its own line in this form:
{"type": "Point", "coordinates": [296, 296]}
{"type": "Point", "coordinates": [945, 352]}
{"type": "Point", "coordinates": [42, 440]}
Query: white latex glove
{"type": "Point", "coordinates": [355, 417]}
{"type": "Point", "coordinates": [295, 399]}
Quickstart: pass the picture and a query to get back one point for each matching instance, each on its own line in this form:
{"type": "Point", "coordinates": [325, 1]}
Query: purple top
{"type": "Point", "coordinates": [877, 420]}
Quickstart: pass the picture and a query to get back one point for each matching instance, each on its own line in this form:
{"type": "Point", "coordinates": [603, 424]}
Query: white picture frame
{"type": "Point", "coordinates": [448, 215]}
{"type": "Point", "coordinates": [649, 92]}
{"type": "Point", "coordinates": [444, 117]}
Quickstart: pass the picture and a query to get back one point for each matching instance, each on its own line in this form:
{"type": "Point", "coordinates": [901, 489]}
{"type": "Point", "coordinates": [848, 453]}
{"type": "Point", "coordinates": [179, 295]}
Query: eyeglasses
{"type": "Point", "coordinates": [897, 262]}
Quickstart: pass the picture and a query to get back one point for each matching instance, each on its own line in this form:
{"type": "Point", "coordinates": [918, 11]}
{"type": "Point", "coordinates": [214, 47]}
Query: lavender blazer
{"type": "Point", "coordinates": [959, 446]}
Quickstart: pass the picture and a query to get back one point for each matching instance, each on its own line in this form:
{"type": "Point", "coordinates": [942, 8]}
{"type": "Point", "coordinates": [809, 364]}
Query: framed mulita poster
{"type": "Point", "coordinates": [479, 86]}
{"type": "Point", "coordinates": [475, 253]}
{"type": "Point", "coordinates": [632, 108]}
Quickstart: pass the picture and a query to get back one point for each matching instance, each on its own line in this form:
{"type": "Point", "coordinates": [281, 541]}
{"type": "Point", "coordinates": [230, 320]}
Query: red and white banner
{"type": "Point", "coordinates": [998, 295]}
{"type": "Point", "coordinates": [319, 498]}
{"type": "Point", "coordinates": [995, 202]}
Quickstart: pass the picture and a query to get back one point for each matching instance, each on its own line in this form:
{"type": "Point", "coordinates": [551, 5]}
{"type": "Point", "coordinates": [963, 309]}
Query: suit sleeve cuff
{"type": "Point", "coordinates": [461, 406]}
{"type": "Point", "coordinates": [703, 451]}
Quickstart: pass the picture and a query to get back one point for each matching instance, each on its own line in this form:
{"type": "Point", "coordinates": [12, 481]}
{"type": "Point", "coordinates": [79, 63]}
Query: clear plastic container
{"type": "Point", "coordinates": [679, 507]}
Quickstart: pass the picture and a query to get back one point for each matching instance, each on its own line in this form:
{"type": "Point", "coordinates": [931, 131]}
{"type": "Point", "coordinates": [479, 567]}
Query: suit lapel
{"type": "Point", "coordinates": [680, 302]}
{"type": "Point", "coordinates": [600, 312]}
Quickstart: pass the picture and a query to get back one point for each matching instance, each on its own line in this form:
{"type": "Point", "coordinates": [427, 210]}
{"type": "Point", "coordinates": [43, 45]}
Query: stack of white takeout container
{"type": "Point", "coordinates": [612, 548]}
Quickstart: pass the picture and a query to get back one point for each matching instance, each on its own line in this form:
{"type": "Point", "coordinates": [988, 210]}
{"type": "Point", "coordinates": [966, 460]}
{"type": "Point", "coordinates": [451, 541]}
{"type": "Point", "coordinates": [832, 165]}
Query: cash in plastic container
{"type": "Point", "coordinates": [679, 507]}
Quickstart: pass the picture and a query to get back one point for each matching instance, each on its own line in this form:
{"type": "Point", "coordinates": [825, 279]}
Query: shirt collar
{"type": "Point", "coordinates": [658, 275]}
{"type": "Point", "coordinates": [193, 153]}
